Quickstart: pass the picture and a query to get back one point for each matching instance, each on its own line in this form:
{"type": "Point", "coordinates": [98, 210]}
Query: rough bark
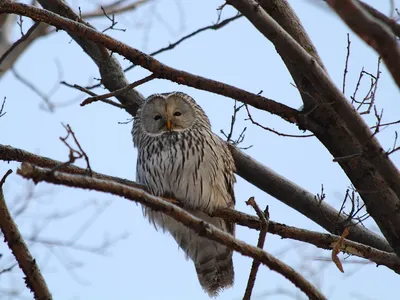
{"type": "Point", "coordinates": [346, 135]}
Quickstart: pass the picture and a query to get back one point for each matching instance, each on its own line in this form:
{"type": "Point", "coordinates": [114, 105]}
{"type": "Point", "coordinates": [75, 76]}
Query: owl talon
{"type": "Point", "coordinates": [170, 200]}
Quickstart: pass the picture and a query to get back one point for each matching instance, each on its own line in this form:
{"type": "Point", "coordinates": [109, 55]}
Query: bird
{"type": "Point", "coordinates": [179, 157]}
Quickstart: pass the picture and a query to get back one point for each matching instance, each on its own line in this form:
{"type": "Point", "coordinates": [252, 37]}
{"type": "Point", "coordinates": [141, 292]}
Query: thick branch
{"type": "Point", "coordinates": [203, 229]}
{"type": "Point", "coordinates": [301, 200]}
{"type": "Point", "coordinates": [380, 16]}
{"type": "Point", "coordinates": [282, 13]}
{"type": "Point", "coordinates": [33, 277]}
{"type": "Point", "coordinates": [373, 174]}
{"type": "Point", "coordinates": [18, 47]}
{"type": "Point", "coordinates": [246, 169]}
{"type": "Point", "coordinates": [8, 153]}
{"type": "Point", "coordinates": [324, 241]}
{"type": "Point", "coordinates": [261, 176]}
{"type": "Point", "coordinates": [112, 74]}
{"type": "Point", "coordinates": [157, 68]}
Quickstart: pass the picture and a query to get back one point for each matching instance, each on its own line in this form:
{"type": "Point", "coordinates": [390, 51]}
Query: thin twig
{"type": "Point", "coordinates": [264, 220]}
{"type": "Point", "coordinates": [80, 153]}
{"type": "Point", "coordinates": [112, 20]}
{"type": "Point", "coordinates": [346, 64]}
{"type": "Point", "coordinates": [30, 85]}
{"type": "Point", "coordinates": [119, 91]}
{"type": "Point", "coordinates": [273, 130]}
{"type": "Point", "coordinates": [372, 90]}
{"type": "Point", "coordinates": [241, 136]}
{"type": "Point", "coordinates": [85, 90]}
{"type": "Point", "coordinates": [19, 41]}
{"type": "Point", "coordinates": [2, 107]}
{"type": "Point", "coordinates": [394, 148]}
{"type": "Point", "coordinates": [353, 98]}
{"type": "Point", "coordinates": [374, 32]}
{"type": "Point", "coordinates": [386, 124]}
{"type": "Point", "coordinates": [9, 269]}
{"type": "Point", "coordinates": [173, 45]}
{"type": "Point", "coordinates": [113, 9]}
{"type": "Point", "coordinates": [33, 278]}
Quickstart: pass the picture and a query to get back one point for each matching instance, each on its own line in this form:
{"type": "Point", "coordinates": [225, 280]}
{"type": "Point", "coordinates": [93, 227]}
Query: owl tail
{"type": "Point", "coordinates": [213, 261]}
{"type": "Point", "coordinates": [214, 266]}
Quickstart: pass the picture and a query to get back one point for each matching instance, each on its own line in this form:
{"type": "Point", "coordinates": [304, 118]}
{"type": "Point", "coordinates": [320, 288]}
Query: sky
{"type": "Point", "coordinates": [142, 263]}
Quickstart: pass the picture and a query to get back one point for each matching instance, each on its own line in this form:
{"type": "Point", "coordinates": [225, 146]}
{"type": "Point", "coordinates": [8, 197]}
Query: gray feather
{"type": "Point", "coordinates": [192, 164]}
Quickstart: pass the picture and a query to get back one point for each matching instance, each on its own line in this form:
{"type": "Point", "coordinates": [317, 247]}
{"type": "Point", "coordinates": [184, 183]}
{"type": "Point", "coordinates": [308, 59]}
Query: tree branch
{"type": "Point", "coordinates": [380, 16]}
{"type": "Point", "coordinates": [114, 10]}
{"type": "Point", "coordinates": [301, 200]}
{"type": "Point", "coordinates": [84, 31]}
{"type": "Point", "coordinates": [112, 75]}
{"type": "Point", "coordinates": [283, 14]}
{"type": "Point", "coordinates": [374, 32]}
{"type": "Point", "coordinates": [202, 228]}
{"type": "Point", "coordinates": [33, 278]}
{"type": "Point", "coordinates": [325, 241]}
{"type": "Point", "coordinates": [22, 39]}
{"type": "Point", "coordinates": [160, 70]}
{"type": "Point", "coordinates": [373, 175]}
{"type": "Point", "coordinates": [264, 218]}
{"type": "Point", "coordinates": [261, 176]}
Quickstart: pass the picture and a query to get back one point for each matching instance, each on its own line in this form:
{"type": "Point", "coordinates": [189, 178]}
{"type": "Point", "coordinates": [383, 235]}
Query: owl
{"type": "Point", "coordinates": [180, 157]}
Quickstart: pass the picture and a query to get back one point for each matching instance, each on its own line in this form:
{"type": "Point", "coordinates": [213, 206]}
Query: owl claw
{"type": "Point", "coordinates": [170, 200]}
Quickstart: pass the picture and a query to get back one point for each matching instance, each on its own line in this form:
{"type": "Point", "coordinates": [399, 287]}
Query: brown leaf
{"type": "Point", "coordinates": [336, 249]}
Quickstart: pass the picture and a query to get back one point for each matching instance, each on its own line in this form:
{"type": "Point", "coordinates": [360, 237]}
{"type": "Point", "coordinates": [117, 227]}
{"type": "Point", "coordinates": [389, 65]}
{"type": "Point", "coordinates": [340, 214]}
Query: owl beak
{"type": "Point", "coordinates": [169, 124]}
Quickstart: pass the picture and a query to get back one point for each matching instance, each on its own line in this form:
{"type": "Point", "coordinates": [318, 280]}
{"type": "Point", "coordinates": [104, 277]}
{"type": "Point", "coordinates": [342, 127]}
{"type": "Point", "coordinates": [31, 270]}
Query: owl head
{"type": "Point", "coordinates": [169, 112]}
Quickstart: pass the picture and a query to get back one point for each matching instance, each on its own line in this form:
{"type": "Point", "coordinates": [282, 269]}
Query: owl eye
{"type": "Point", "coordinates": [157, 117]}
{"type": "Point", "coordinates": [177, 114]}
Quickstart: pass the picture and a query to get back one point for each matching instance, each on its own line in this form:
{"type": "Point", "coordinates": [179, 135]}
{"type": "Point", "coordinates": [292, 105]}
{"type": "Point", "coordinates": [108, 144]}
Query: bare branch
{"type": "Point", "coordinates": [80, 153]}
{"type": "Point", "coordinates": [113, 10]}
{"type": "Point", "coordinates": [112, 20]}
{"type": "Point", "coordinates": [290, 194]}
{"type": "Point", "coordinates": [324, 241]}
{"type": "Point", "coordinates": [8, 153]}
{"type": "Point", "coordinates": [2, 108]}
{"type": "Point", "coordinates": [160, 70]}
{"type": "Point", "coordinates": [89, 92]}
{"type": "Point", "coordinates": [21, 40]}
{"type": "Point", "coordinates": [216, 26]}
{"type": "Point", "coordinates": [31, 86]}
{"type": "Point", "coordinates": [273, 130]}
{"type": "Point", "coordinates": [346, 65]}
{"type": "Point", "coordinates": [395, 147]}
{"type": "Point", "coordinates": [264, 217]}
{"type": "Point", "coordinates": [372, 31]}
{"type": "Point", "coordinates": [380, 16]}
{"type": "Point", "coordinates": [33, 278]}
{"type": "Point", "coordinates": [8, 269]}
{"type": "Point", "coordinates": [203, 229]}
{"type": "Point", "coordinates": [354, 132]}
{"type": "Point", "coordinates": [119, 91]}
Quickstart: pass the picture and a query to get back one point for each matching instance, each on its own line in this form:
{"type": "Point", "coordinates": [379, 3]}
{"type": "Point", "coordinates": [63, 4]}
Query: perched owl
{"type": "Point", "coordinates": [180, 157]}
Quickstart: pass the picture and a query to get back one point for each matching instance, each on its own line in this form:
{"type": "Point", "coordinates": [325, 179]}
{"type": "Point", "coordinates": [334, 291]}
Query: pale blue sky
{"type": "Point", "coordinates": [147, 264]}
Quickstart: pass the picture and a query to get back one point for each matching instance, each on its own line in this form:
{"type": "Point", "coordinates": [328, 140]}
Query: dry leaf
{"type": "Point", "coordinates": [336, 249]}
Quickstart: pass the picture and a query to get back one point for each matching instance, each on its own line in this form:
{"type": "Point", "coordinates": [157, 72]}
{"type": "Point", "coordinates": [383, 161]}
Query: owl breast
{"type": "Point", "coordinates": [187, 166]}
